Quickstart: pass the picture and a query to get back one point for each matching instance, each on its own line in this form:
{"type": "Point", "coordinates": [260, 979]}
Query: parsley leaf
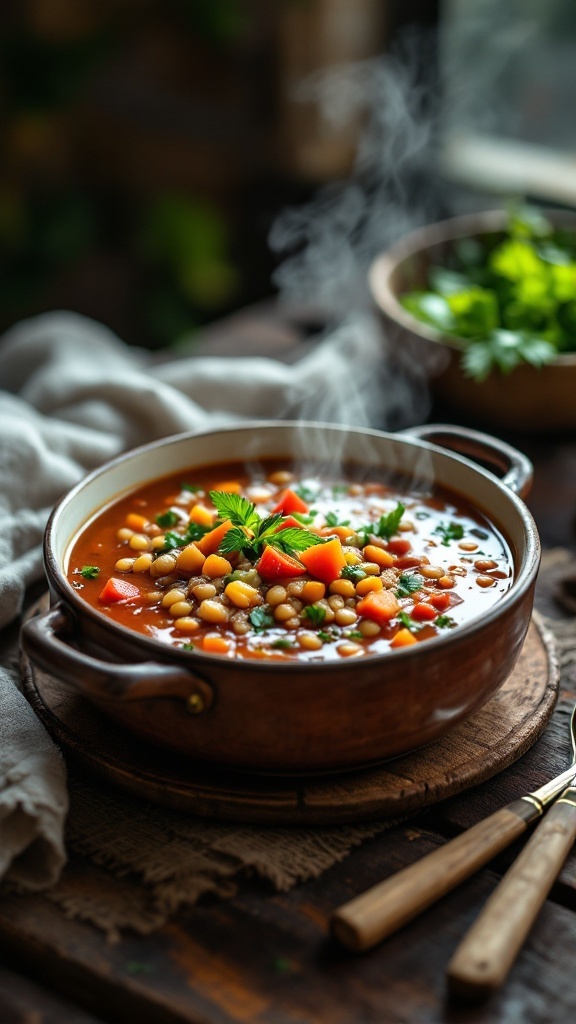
{"type": "Point", "coordinates": [333, 520]}
{"type": "Point", "coordinates": [261, 619]}
{"type": "Point", "coordinates": [449, 531]}
{"type": "Point", "coordinates": [250, 533]}
{"type": "Point", "coordinates": [352, 572]}
{"type": "Point", "coordinates": [408, 622]}
{"type": "Point", "coordinates": [89, 572]}
{"type": "Point", "coordinates": [315, 612]}
{"type": "Point", "coordinates": [167, 519]}
{"type": "Point", "coordinates": [444, 622]}
{"type": "Point", "coordinates": [178, 540]}
{"type": "Point", "coordinates": [387, 525]}
{"type": "Point", "coordinates": [283, 645]}
{"type": "Point", "coordinates": [409, 583]}
{"type": "Point", "coordinates": [237, 509]}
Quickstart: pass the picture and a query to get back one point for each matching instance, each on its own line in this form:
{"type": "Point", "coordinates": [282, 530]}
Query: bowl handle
{"type": "Point", "coordinates": [42, 640]}
{"type": "Point", "coordinates": [506, 462]}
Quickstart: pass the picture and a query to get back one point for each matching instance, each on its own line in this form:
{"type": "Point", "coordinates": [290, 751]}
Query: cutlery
{"type": "Point", "coordinates": [484, 957]}
{"type": "Point", "coordinates": [387, 906]}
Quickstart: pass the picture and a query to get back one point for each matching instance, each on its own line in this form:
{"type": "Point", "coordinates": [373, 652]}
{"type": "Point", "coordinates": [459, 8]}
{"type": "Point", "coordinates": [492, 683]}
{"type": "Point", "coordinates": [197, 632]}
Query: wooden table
{"type": "Point", "coordinates": [267, 958]}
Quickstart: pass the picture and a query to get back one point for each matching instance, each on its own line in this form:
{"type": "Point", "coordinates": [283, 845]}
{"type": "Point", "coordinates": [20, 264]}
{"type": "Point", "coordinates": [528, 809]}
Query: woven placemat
{"type": "Point", "coordinates": [133, 864]}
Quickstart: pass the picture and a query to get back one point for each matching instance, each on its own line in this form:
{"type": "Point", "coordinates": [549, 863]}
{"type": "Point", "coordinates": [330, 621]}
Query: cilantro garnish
{"type": "Point", "coordinates": [354, 634]}
{"type": "Point", "coordinates": [89, 572]}
{"type": "Point", "coordinates": [261, 619]}
{"type": "Point", "coordinates": [352, 572]}
{"type": "Point", "coordinates": [387, 525]}
{"type": "Point", "coordinates": [449, 531]}
{"type": "Point", "coordinates": [444, 622]}
{"type": "Point", "coordinates": [282, 645]}
{"type": "Point", "coordinates": [250, 533]}
{"type": "Point", "coordinates": [409, 583]}
{"type": "Point", "coordinates": [408, 622]}
{"type": "Point", "coordinates": [167, 519]}
{"type": "Point", "coordinates": [178, 540]}
{"type": "Point", "coordinates": [306, 493]}
{"type": "Point", "coordinates": [315, 612]}
{"type": "Point", "coordinates": [333, 520]}
{"type": "Point", "coordinates": [187, 647]}
{"type": "Point", "coordinates": [325, 636]}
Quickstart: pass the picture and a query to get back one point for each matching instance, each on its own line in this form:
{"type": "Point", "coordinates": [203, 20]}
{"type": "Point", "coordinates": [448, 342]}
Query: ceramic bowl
{"type": "Point", "coordinates": [292, 717]}
{"type": "Point", "coordinates": [526, 399]}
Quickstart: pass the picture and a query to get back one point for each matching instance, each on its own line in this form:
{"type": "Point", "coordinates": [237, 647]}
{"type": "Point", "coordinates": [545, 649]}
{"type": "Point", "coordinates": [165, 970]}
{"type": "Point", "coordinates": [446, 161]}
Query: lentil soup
{"type": "Point", "coordinates": [270, 565]}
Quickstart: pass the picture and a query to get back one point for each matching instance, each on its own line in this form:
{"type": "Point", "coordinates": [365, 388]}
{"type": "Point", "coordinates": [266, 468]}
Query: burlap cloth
{"type": "Point", "coordinates": [133, 864]}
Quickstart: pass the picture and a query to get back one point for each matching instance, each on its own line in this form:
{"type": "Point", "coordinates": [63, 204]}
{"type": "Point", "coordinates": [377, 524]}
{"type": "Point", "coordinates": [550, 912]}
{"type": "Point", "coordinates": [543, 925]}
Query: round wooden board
{"type": "Point", "coordinates": [469, 754]}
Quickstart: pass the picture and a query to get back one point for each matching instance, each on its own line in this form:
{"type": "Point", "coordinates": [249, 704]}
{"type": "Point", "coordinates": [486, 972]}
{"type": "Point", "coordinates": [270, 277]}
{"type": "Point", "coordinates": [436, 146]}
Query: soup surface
{"type": "Point", "coordinates": [267, 564]}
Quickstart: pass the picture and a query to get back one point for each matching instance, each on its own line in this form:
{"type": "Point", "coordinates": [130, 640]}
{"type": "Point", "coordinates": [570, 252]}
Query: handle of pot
{"type": "Point", "coordinates": [512, 466]}
{"type": "Point", "coordinates": [43, 641]}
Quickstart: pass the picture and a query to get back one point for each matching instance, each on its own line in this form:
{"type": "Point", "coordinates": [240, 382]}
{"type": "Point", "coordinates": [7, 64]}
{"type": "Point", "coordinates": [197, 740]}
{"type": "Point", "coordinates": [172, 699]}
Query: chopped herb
{"type": "Point", "coordinates": [191, 487]}
{"type": "Point", "coordinates": [282, 644]}
{"type": "Point", "coordinates": [250, 533]}
{"type": "Point", "coordinates": [339, 489]}
{"type": "Point", "coordinates": [167, 519]}
{"type": "Point", "coordinates": [387, 525]}
{"type": "Point", "coordinates": [306, 493]}
{"type": "Point", "coordinates": [409, 583]}
{"type": "Point", "coordinates": [408, 622]}
{"type": "Point", "coordinates": [444, 622]}
{"type": "Point", "coordinates": [333, 520]}
{"type": "Point", "coordinates": [354, 634]}
{"type": "Point", "coordinates": [449, 531]}
{"type": "Point", "coordinates": [187, 647]}
{"type": "Point", "coordinates": [352, 572]}
{"type": "Point", "coordinates": [315, 612]}
{"type": "Point", "coordinates": [89, 572]}
{"type": "Point", "coordinates": [194, 531]}
{"type": "Point", "coordinates": [325, 636]}
{"type": "Point", "coordinates": [306, 520]}
{"type": "Point", "coordinates": [261, 618]}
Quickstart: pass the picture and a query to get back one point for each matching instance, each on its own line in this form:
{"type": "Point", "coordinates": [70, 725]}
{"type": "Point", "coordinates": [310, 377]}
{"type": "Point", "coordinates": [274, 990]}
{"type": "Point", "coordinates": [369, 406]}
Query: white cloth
{"type": "Point", "coordinates": [71, 397]}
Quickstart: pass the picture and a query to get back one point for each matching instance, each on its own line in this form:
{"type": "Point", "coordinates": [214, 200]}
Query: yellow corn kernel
{"type": "Point", "coordinates": [312, 591]}
{"type": "Point", "coordinates": [369, 583]}
{"type": "Point", "coordinates": [345, 588]}
{"type": "Point", "coordinates": [201, 515]}
{"type": "Point", "coordinates": [136, 522]}
{"type": "Point", "coordinates": [190, 559]}
{"type": "Point", "coordinates": [215, 566]}
{"type": "Point", "coordinates": [352, 558]}
{"type": "Point", "coordinates": [383, 558]}
{"type": "Point", "coordinates": [242, 594]}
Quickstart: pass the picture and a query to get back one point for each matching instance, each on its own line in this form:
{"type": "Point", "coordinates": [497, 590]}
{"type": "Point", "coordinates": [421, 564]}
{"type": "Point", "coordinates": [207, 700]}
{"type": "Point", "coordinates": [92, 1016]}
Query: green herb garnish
{"type": "Point", "coordinates": [282, 644]}
{"type": "Point", "coordinates": [315, 612]}
{"type": "Point", "coordinates": [408, 622]}
{"type": "Point", "coordinates": [179, 540]}
{"type": "Point", "coordinates": [386, 526]}
{"type": "Point", "coordinates": [353, 572]}
{"type": "Point", "coordinates": [89, 572]}
{"type": "Point", "coordinates": [250, 533]}
{"type": "Point", "coordinates": [354, 634]}
{"type": "Point", "coordinates": [261, 619]}
{"type": "Point", "coordinates": [333, 520]}
{"type": "Point", "coordinates": [449, 531]}
{"type": "Point", "coordinates": [190, 487]}
{"type": "Point", "coordinates": [444, 622]}
{"type": "Point", "coordinates": [167, 519]}
{"type": "Point", "coordinates": [408, 584]}
{"type": "Point", "coordinates": [325, 636]}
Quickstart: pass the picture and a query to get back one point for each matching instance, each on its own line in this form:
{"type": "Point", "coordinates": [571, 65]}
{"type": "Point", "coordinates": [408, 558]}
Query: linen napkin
{"type": "Point", "coordinates": [72, 395]}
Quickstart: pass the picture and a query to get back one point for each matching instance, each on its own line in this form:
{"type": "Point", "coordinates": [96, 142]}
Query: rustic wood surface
{"type": "Point", "coordinates": [267, 958]}
{"type": "Point", "coordinates": [474, 751]}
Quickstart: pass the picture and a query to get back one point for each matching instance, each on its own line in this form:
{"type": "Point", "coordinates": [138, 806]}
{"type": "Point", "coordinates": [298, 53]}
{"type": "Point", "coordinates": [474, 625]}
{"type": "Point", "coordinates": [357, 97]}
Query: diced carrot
{"type": "Point", "coordinates": [118, 590]}
{"type": "Point", "coordinates": [228, 486]}
{"type": "Point", "coordinates": [324, 561]}
{"type": "Point", "coordinates": [215, 644]}
{"type": "Point", "coordinates": [440, 601]}
{"type": "Point", "coordinates": [342, 532]}
{"type": "Point", "coordinates": [211, 541]}
{"type": "Point", "coordinates": [201, 515]}
{"type": "Point", "coordinates": [424, 612]}
{"type": "Point", "coordinates": [137, 522]}
{"type": "Point", "coordinates": [313, 591]}
{"type": "Point", "coordinates": [399, 546]}
{"type": "Point", "coordinates": [372, 553]}
{"type": "Point", "coordinates": [290, 502]}
{"type": "Point", "coordinates": [215, 566]}
{"type": "Point", "coordinates": [190, 559]}
{"type": "Point", "coordinates": [378, 605]}
{"type": "Point", "coordinates": [276, 565]}
{"type": "Point", "coordinates": [403, 638]}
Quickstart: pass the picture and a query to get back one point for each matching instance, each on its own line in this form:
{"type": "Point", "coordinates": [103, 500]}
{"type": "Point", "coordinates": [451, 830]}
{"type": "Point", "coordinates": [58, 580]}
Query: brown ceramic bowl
{"type": "Point", "coordinates": [526, 399]}
{"type": "Point", "coordinates": [292, 717]}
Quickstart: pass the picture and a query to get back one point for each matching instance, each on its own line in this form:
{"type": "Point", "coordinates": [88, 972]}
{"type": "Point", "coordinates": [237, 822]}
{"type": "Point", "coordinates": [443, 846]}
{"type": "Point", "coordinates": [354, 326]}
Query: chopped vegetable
{"type": "Point", "coordinates": [326, 561]}
{"type": "Point", "coordinates": [290, 502]}
{"type": "Point", "coordinates": [379, 605]}
{"type": "Point", "coordinates": [118, 590]}
{"type": "Point", "coordinates": [275, 564]}
{"type": "Point", "coordinates": [89, 572]}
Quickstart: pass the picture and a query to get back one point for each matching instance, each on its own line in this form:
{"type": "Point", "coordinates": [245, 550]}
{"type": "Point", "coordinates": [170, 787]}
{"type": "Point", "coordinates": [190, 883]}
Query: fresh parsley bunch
{"type": "Point", "coordinates": [250, 533]}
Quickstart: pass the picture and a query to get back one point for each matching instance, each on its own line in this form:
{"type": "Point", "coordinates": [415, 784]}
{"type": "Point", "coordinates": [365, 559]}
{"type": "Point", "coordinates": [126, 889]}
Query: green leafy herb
{"type": "Point", "coordinates": [353, 572]}
{"type": "Point", "coordinates": [444, 622]}
{"type": "Point", "coordinates": [282, 644]}
{"type": "Point", "coordinates": [306, 520]}
{"type": "Point", "coordinates": [325, 636]}
{"type": "Point", "coordinates": [167, 519]}
{"type": "Point", "coordinates": [179, 540]}
{"type": "Point", "coordinates": [190, 487]}
{"type": "Point", "coordinates": [354, 634]}
{"type": "Point", "coordinates": [508, 299]}
{"type": "Point", "coordinates": [261, 618]}
{"type": "Point", "coordinates": [449, 531]}
{"type": "Point", "coordinates": [250, 533]}
{"type": "Point", "coordinates": [333, 520]}
{"type": "Point", "coordinates": [306, 493]}
{"type": "Point", "coordinates": [89, 572]}
{"type": "Point", "coordinates": [315, 612]}
{"type": "Point", "coordinates": [187, 647]}
{"type": "Point", "coordinates": [409, 583]}
{"type": "Point", "coordinates": [408, 622]}
{"type": "Point", "coordinates": [387, 525]}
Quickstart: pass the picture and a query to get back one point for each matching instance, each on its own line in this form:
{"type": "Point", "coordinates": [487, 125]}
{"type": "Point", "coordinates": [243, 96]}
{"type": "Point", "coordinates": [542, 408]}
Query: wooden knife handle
{"type": "Point", "coordinates": [377, 913]}
{"type": "Point", "coordinates": [486, 954]}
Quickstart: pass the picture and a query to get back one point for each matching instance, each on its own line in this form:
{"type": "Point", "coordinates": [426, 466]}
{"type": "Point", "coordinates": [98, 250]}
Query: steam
{"type": "Point", "coordinates": [328, 244]}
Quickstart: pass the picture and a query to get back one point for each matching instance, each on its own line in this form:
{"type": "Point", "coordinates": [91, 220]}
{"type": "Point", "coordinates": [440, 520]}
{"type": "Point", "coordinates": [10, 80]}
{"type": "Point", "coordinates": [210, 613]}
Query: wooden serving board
{"type": "Point", "coordinates": [472, 752]}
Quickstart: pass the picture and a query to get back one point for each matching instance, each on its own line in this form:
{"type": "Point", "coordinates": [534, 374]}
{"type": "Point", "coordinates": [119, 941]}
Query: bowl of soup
{"type": "Point", "coordinates": [291, 597]}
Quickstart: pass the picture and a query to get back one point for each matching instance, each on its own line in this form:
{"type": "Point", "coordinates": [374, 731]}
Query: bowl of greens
{"type": "Point", "coordinates": [495, 293]}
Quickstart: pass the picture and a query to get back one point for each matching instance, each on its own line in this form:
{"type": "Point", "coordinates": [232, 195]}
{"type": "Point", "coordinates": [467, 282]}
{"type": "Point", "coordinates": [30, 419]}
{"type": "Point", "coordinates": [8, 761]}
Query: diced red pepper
{"type": "Point", "coordinates": [424, 612]}
{"type": "Point", "coordinates": [288, 523]}
{"type": "Point", "coordinates": [118, 590]}
{"type": "Point", "coordinates": [440, 601]}
{"type": "Point", "coordinates": [378, 605]}
{"type": "Point", "coordinates": [276, 565]}
{"type": "Point", "coordinates": [290, 502]}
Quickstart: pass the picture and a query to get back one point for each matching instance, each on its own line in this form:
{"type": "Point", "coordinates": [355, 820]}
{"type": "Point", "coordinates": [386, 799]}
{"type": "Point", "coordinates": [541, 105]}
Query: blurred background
{"type": "Point", "coordinates": [151, 148]}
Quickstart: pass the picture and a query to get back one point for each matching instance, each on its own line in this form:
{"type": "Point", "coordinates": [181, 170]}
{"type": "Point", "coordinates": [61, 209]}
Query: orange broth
{"type": "Point", "coordinates": [349, 567]}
